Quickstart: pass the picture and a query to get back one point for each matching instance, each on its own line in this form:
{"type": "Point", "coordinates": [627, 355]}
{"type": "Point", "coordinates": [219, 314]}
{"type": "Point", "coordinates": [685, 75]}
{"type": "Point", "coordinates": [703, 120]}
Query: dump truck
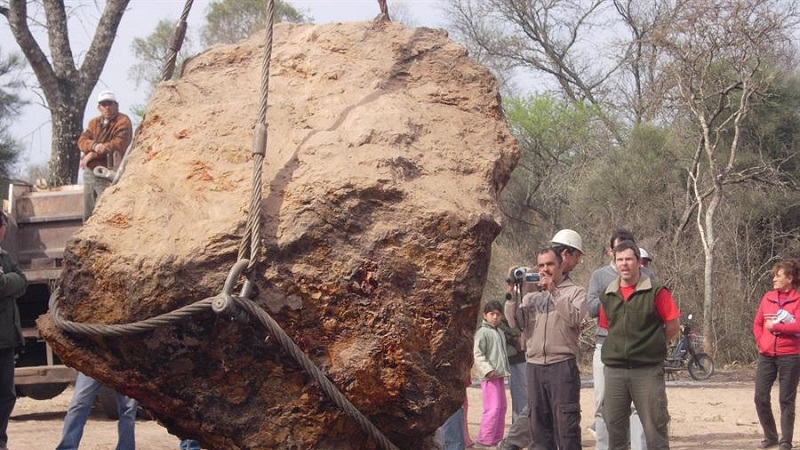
{"type": "Point", "coordinates": [40, 223]}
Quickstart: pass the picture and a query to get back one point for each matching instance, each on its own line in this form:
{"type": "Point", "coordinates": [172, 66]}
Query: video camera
{"type": "Point", "coordinates": [524, 279]}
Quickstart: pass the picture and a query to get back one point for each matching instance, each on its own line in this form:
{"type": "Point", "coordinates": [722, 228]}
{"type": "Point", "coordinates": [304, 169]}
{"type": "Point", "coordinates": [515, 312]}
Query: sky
{"type": "Point", "coordinates": [32, 129]}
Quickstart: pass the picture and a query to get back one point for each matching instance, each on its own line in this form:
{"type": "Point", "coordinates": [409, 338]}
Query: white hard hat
{"type": "Point", "coordinates": [569, 238]}
{"type": "Point", "coordinates": [106, 96]}
{"type": "Point", "coordinates": [644, 255]}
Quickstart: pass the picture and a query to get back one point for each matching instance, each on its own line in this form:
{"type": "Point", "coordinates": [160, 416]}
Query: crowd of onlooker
{"type": "Point", "coordinates": [531, 339]}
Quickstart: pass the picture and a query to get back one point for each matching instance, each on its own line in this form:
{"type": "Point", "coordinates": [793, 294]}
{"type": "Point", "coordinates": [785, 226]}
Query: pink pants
{"type": "Point", "coordinates": [493, 419]}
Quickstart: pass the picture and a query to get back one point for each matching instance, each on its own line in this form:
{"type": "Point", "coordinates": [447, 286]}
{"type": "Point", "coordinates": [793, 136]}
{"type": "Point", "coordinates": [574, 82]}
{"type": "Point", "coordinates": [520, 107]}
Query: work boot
{"type": "Point", "coordinates": [766, 443]}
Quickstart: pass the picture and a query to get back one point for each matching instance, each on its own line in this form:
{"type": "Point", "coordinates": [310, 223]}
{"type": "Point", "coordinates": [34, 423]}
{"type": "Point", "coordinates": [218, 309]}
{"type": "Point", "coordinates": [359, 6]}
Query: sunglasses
{"type": "Point", "coordinates": [106, 103]}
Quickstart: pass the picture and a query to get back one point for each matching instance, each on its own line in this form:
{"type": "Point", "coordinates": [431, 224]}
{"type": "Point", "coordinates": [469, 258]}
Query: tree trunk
{"type": "Point", "coordinates": [67, 122]}
{"type": "Point", "coordinates": [65, 87]}
{"type": "Point", "coordinates": [708, 272]}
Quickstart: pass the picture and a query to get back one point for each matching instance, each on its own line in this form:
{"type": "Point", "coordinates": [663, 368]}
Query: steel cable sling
{"type": "Point", "coordinates": [249, 251]}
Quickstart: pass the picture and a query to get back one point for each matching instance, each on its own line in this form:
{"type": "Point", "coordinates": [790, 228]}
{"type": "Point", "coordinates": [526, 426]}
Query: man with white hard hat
{"type": "Point", "coordinates": [646, 258]}
{"type": "Point", "coordinates": [569, 245]}
{"type": "Point", "coordinates": [102, 144]}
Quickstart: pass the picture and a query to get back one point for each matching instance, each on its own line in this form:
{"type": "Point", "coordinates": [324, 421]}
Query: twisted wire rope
{"type": "Point", "coordinates": [252, 237]}
{"type": "Point", "coordinates": [176, 43]}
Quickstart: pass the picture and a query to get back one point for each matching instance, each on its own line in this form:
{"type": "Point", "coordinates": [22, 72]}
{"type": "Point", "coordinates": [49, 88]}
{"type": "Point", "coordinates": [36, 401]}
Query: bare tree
{"type": "Point", "coordinates": [402, 13]}
{"type": "Point", "coordinates": [642, 86]}
{"type": "Point", "coordinates": [721, 54]}
{"type": "Point", "coordinates": [65, 86]}
{"type": "Point", "coordinates": [552, 37]}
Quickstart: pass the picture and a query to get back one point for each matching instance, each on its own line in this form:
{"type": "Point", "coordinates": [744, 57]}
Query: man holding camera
{"type": "Point", "coordinates": [550, 319]}
{"type": "Point", "coordinates": [569, 245]}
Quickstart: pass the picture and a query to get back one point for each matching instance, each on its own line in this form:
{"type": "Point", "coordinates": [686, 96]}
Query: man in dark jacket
{"type": "Point", "coordinates": [12, 286]}
{"type": "Point", "coordinates": [600, 280]}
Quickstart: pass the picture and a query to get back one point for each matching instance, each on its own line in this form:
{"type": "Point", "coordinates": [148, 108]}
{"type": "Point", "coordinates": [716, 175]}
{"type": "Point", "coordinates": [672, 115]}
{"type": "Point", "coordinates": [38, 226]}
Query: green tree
{"type": "Point", "coordinates": [227, 21]}
{"type": "Point", "coordinates": [772, 131]}
{"type": "Point", "coordinates": [10, 104]}
{"type": "Point", "coordinates": [230, 21]}
{"type": "Point", "coordinates": [557, 139]}
{"type": "Point", "coordinates": [152, 51]}
{"type": "Point", "coordinates": [65, 83]}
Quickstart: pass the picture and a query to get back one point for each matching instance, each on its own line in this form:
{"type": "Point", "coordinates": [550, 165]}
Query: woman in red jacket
{"type": "Point", "coordinates": [776, 328]}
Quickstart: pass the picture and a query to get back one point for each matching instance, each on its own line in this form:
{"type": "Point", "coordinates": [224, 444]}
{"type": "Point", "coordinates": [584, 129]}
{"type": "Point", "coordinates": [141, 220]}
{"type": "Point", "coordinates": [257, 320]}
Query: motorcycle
{"type": "Point", "coordinates": [684, 355]}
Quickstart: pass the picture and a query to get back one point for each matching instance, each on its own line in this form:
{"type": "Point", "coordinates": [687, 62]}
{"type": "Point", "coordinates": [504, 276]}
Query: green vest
{"type": "Point", "coordinates": [635, 330]}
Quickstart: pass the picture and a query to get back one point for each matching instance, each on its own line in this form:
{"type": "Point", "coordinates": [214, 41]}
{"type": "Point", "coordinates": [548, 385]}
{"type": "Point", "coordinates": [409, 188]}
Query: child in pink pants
{"type": "Point", "coordinates": [491, 363]}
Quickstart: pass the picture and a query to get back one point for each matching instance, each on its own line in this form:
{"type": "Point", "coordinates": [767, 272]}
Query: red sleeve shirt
{"type": "Point", "coordinates": [665, 305]}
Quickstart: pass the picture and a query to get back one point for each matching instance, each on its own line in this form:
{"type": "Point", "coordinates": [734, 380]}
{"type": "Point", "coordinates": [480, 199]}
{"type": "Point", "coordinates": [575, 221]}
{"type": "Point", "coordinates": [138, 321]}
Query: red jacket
{"type": "Point", "coordinates": [782, 339]}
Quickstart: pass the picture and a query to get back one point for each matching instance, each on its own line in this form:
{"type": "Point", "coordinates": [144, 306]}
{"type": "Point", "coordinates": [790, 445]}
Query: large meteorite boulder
{"type": "Point", "coordinates": [387, 150]}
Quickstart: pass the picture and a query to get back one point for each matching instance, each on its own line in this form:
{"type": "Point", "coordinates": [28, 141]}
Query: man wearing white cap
{"type": "Point", "coordinates": [104, 140]}
{"type": "Point", "coordinates": [102, 144]}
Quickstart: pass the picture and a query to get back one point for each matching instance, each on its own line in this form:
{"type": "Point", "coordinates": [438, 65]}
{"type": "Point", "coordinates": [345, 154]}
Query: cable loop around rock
{"type": "Point", "coordinates": [254, 310]}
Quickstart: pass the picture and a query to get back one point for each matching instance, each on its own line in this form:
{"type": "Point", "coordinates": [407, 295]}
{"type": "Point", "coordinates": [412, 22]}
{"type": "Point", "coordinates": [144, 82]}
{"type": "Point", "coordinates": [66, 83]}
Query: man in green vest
{"type": "Point", "coordinates": [641, 317]}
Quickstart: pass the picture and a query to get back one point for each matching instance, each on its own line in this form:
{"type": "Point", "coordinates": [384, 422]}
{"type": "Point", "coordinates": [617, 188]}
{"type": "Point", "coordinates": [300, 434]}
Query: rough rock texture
{"type": "Point", "coordinates": [387, 150]}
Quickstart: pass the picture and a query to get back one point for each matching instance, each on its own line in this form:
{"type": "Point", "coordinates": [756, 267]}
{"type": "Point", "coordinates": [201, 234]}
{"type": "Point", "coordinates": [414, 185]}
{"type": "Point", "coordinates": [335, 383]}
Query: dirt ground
{"type": "Point", "coordinates": [717, 414]}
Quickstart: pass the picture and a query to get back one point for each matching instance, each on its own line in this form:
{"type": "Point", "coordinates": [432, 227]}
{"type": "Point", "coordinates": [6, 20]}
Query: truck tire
{"type": "Point", "coordinates": [40, 391]}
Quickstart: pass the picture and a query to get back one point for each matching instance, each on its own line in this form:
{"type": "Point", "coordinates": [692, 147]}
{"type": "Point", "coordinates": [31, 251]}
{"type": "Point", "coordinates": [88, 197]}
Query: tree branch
{"type": "Point", "coordinates": [17, 15]}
